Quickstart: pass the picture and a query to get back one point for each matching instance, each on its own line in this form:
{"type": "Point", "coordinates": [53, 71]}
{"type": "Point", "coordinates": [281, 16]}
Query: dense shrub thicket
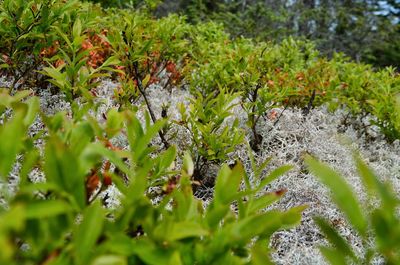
{"type": "Point", "coordinates": [71, 46]}
{"type": "Point", "coordinates": [366, 30]}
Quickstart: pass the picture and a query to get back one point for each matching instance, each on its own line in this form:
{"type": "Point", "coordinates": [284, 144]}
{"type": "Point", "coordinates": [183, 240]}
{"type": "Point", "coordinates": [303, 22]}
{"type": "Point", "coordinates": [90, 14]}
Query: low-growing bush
{"type": "Point", "coordinates": [212, 138]}
{"type": "Point", "coordinates": [79, 62]}
{"type": "Point", "coordinates": [27, 32]}
{"type": "Point", "coordinates": [170, 52]}
{"type": "Point", "coordinates": [62, 220]}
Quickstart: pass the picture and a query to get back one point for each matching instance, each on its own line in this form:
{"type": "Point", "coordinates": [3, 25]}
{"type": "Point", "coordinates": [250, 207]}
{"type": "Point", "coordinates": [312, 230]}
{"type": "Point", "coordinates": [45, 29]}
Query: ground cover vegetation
{"type": "Point", "coordinates": [70, 46]}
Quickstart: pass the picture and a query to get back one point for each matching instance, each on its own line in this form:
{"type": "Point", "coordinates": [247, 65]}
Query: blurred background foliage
{"type": "Point", "coordinates": [366, 30]}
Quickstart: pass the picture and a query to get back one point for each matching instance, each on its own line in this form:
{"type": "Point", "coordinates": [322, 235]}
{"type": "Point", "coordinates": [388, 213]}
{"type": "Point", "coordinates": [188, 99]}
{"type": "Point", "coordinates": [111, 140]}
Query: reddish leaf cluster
{"type": "Point", "coordinates": [152, 65]}
{"type": "Point", "coordinates": [6, 59]}
{"type": "Point", "coordinates": [272, 115]}
{"type": "Point", "coordinates": [50, 51]}
{"type": "Point", "coordinates": [302, 83]}
{"type": "Point", "coordinates": [99, 48]}
{"type": "Point", "coordinates": [171, 184]}
{"type": "Point", "coordinates": [121, 72]}
{"type": "Point", "coordinates": [99, 177]}
{"type": "Point", "coordinates": [59, 62]}
{"type": "Point", "coordinates": [175, 76]}
{"type": "Point", "coordinates": [93, 181]}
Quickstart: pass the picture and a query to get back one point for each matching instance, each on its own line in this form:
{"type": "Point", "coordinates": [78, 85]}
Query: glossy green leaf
{"type": "Point", "coordinates": [112, 60]}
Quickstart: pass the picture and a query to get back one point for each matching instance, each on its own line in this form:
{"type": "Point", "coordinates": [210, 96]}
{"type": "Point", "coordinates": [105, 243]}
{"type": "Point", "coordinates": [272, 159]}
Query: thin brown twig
{"type": "Point", "coordinates": [152, 115]}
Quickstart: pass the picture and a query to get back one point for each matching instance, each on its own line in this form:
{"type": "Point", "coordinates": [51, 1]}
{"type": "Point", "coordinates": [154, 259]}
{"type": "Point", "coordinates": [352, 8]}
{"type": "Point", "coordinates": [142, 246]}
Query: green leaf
{"type": "Point", "coordinates": [188, 205]}
{"type": "Point", "coordinates": [215, 213]}
{"type": "Point", "coordinates": [19, 96]}
{"type": "Point", "coordinates": [154, 255]}
{"type": "Point", "coordinates": [118, 243]}
{"type": "Point", "coordinates": [112, 60]}
{"type": "Point", "coordinates": [80, 137]}
{"type": "Point", "coordinates": [264, 201]}
{"type": "Point", "coordinates": [146, 80]}
{"type": "Point", "coordinates": [65, 37]}
{"type": "Point", "coordinates": [88, 232]}
{"type": "Point", "coordinates": [30, 159]}
{"type": "Point", "coordinates": [227, 183]}
{"type": "Point", "coordinates": [33, 109]}
{"type": "Point", "coordinates": [186, 229]}
{"type": "Point", "coordinates": [369, 179]}
{"type": "Point", "coordinates": [77, 28]}
{"type": "Point", "coordinates": [334, 238]}
{"type": "Point", "coordinates": [11, 134]}
{"type": "Point", "coordinates": [342, 194]}
{"type": "Point", "coordinates": [57, 78]}
{"type": "Point", "coordinates": [48, 208]}
{"type": "Point", "coordinates": [274, 175]}
{"type": "Point", "coordinates": [374, 185]}
{"type": "Point", "coordinates": [243, 230]}
{"type": "Point", "coordinates": [95, 151]}
{"type": "Point", "coordinates": [62, 168]}
{"type": "Point", "coordinates": [13, 219]}
{"type": "Point", "coordinates": [259, 255]}
{"type": "Point", "coordinates": [114, 122]}
{"type": "Point", "coordinates": [188, 165]}
{"type": "Point", "coordinates": [292, 216]}
{"type": "Point", "coordinates": [333, 256]}
{"type": "Point", "coordinates": [166, 159]}
{"type": "Point", "coordinates": [110, 260]}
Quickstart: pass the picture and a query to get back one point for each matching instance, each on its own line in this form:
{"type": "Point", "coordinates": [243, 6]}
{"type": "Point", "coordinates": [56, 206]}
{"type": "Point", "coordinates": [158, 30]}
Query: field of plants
{"type": "Point", "coordinates": [130, 139]}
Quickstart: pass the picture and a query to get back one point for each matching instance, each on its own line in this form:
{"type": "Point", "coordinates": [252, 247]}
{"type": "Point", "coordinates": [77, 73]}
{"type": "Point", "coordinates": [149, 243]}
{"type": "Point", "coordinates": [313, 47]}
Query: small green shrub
{"type": "Point", "coordinates": [79, 64]}
{"type": "Point", "coordinates": [212, 138]}
{"type": "Point", "coordinates": [26, 30]}
{"type": "Point", "coordinates": [150, 51]}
